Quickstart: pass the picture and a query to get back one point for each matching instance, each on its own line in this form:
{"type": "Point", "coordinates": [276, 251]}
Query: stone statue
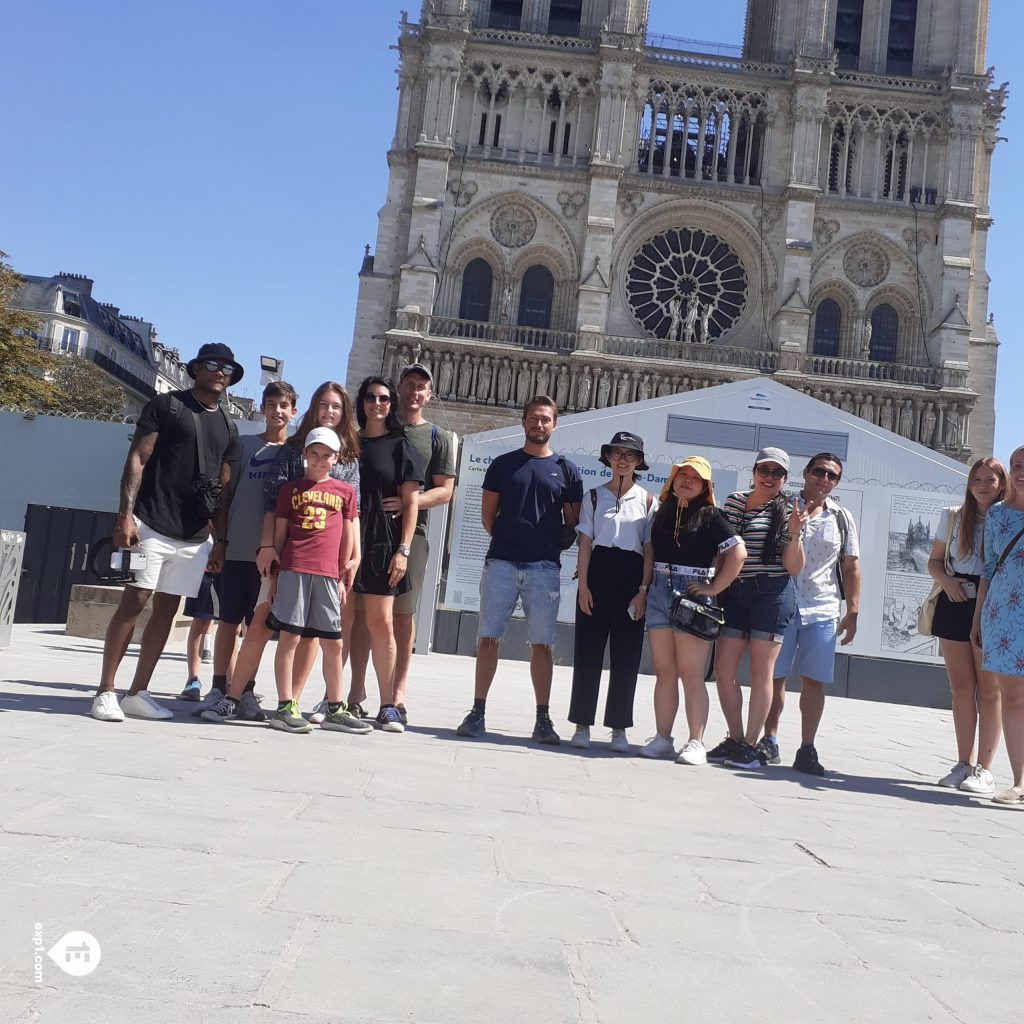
{"type": "Point", "coordinates": [622, 392]}
{"type": "Point", "coordinates": [643, 388]}
{"type": "Point", "coordinates": [690, 323]}
{"type": "Point", "coordinates": [666, 387]}
{"type": "Point", "coordinates": [867, 409]}
{"type": "Point", "coordinates": [604, 387]}
{"type": "Point", "coordinates": [705, 324]}
{"type": "Point", "coordinates": [466, 377]}
{"type": "Point", "coordinates": [907, 419]}
{"type": "Point", "coordinates": [506, 304]}
{"type": "Point", "coordinates": [675, 312]}
{"type": "Point", "coordinates": [885, 415]}
{"type": "Point", "coordinates": [562, 388]}
{"type": "Point", "coordinates": [952, 427]}
{"type": "Point", "coordinates": [543, 380]}
{"type": "Point", "coordinates": [483, 380]}
{"type": "Point", "coordinates": [444, 379]}
{"type": "Point", "coordinates": [504, 382]}
{"type": "Point", "coordinates": [846, 402]}
{"type": "Point", "coordinates": [524, 385]}
{"type": "Point", "coordinates": [928, 421]}
{"type": "Point", "coordinates": [865, 352]}
{"type": "Point", "coordinates": [583, 388]}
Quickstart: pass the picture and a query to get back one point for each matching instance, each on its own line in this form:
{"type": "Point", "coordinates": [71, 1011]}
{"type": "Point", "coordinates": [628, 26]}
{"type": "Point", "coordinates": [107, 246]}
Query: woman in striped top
{"type": "Point", "coordinates": [759, 604]}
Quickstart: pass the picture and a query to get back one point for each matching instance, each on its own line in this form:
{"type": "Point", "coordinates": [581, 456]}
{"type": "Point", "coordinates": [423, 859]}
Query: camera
{"type": "Point", "coordinates": [127, 560]}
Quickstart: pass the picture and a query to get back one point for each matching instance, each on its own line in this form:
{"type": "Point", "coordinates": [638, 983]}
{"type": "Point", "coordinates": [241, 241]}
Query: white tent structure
{"type": "Point", "coordinates": [894, 488]}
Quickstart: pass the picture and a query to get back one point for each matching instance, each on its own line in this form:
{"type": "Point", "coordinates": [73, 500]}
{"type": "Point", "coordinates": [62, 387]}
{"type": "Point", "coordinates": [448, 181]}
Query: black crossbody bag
{"type": "Point", "coordinates": [205, 488]}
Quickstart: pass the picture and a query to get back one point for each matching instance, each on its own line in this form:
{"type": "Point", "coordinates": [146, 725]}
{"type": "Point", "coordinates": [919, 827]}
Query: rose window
{"type": "Point", "coordinates": [686, 285]}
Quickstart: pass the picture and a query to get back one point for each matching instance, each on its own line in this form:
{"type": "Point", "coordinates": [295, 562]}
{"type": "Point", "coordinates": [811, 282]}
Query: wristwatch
{"type": "Point", "coordinates": [642, 589]}
{"type": "Point", "coordinates": [404, 549]}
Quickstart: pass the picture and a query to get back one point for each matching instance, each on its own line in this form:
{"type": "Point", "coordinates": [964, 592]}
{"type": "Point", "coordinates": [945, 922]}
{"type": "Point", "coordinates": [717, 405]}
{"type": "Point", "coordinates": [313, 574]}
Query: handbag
{"type": "Point", "coordinates": [701, 620]}
{"type": "Point", "coordinates": [205, 488]}
{"type": "Point", "coordinates": [926, 613]}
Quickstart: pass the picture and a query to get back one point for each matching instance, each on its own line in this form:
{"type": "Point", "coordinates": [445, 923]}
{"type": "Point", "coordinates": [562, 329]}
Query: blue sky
{"type": "Point", "coordinates": [216, 168]}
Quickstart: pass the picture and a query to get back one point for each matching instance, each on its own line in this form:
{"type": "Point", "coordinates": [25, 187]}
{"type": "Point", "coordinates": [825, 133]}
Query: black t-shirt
{"type": "Point", "coordinates": [698, 548]}
{"type": "Point", "coordinates": [531, 490]}
{"type": "Point", "coordinates": [166, 501]}
{"type": "Point", "coordinates": [385, 463]}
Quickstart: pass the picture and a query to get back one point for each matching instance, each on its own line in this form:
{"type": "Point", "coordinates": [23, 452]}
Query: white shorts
{"type": "Point", "coordinates": [172, 566]}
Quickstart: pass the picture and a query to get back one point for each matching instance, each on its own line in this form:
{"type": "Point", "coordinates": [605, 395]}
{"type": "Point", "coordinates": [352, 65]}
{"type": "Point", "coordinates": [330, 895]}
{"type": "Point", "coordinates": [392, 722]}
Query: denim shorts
{"type": "Point", "coordinates": [502, 584]}
{"type": "Point", "coordinates": [811, 649]}
{"type": "Point", "coordinates": [659, 597]}
{"type": "Point", "coordinates": [759, 607]}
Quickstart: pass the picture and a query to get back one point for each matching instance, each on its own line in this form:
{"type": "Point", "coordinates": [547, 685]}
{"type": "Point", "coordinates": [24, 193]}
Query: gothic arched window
{"type": "Point", "coordinates": [849, 22]}
{"type": "Point", "coordinates": [885, 326]}
{"type": "Point", "coordinates": [841, 160]}
{"type": "Point", "coordinates": [535, 297]}
{"type": "Point", "coordinates": [899, 58]}
{"type": "Point", "coordinates": [564, 17]}
{"type": "Point", "coordinates": [477, 280]}
{"type": "Point", "coordinates": [827, 323]}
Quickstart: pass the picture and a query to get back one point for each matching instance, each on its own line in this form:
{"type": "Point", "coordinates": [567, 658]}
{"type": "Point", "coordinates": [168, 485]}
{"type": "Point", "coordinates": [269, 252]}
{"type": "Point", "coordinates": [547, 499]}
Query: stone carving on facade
{"type": "Point", "coordinates": [928, 421]}
{"type": "Point", "coordinates": [484, 376]}
{"type": "Point", "coordinates": [506, 304]}
{"type": "Point", "coordinates": [846, 402]}
{"type": "Point", "coordinates": [571, 203]}
{"type": "Point", "coordinates": [907, 420]}
{"type": "Point", "coordinates": [690, 323]}
{"type": "Point", "coordinates": [466, 377]}
{"type": "Point", "coordinates": [916, 240]}
{"type": "Point", "coordinates": [444, 378]}
{"type": "Point", "coordinates": [622, 390]}
{"type": "Point", "coordinates": [504, 382]}
{"type": "Point", "coordinates": [705, 324]}
{"type": "Point", "coordinates": [643, 388]}
{"type": "Point", "coordinates": [675, 306]}
{"type": "Point", "coordinates": [630, 202]}
{"type": "Point", "coordinates": [562, 388]}
{"type": "Point", "coordinates": [951, 427]}
{"type": "Point", "coordinates": [866, 264]}
{"type": "Point", "coordinates": [604, 387]}
{"type": "Point", "coordinates": [463, 191]}
{"type": "Point", "coordinates": [543, 380]}
{"type": "Point", "coordinates": [584, 386]}
{"type": "Point", "coordinates": [867, 409]}
{"type": "Point", "coordinates": [825, 230]}
{"type": "Point", "coordinates": [524, 385]}
{"type": "Point", "coordinates": [769, 216]}
{"type": "Point", "coordinates": [885, 415]}
{"type": "Point", "coordinates": [666, 387]}
{"type": "Point", "coordinates": [513, 225]}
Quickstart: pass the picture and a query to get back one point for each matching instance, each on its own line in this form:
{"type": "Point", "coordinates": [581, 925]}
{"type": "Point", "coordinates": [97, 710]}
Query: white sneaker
{"type": "Point", "coordinates": [960, 771]}
{"type": "Point", "coordinates": [319, 713]}
{"type": "Point", "coordinates": [581, 738]}
{"type": "Point", "coordinates": [658, 746]}
{"type": "Point", "coordinates": [692, 753]}
{"type": "Point", "coordinates": [979, 782]}
{"type": "Point", "coordinates": [105, 708]}
{"type": "Point", "coordinates": [619, 743]}
{"type": "Point", "coordinates": [142, 705]}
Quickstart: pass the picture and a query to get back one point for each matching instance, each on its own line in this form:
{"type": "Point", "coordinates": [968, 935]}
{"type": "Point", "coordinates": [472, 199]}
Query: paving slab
{"type": "Point", "coordinates": [233, 874]}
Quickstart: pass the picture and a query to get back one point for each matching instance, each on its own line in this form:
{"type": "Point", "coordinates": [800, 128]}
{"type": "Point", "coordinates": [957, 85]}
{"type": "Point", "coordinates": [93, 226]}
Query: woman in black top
{"type": "Point", "coordinates": [696, 552]}
{"type": "Point", "coordinates": [388, 466]}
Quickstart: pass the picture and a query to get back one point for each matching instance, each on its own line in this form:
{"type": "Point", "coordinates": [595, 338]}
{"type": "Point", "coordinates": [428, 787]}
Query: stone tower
{"type": "Point", "coordinates": [580, 206]}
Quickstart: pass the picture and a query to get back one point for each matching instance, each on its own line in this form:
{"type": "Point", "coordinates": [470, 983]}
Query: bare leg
{"type": "Point", "coordinates": [379, 624]}
{"type": "Point", "coordinates": [332, 670]}
{"type": "Point", "coordinates": [728, 652]}
{"type": "Point", "coordinates": [359, 654]}
{"type": "Point", "coordinates": [119, 634]}
{"type": "Point", "coordinates": [194, 646]}
{"type": "Point", "coordinates": [762, 664]}
{"type": "Point", "coordinates": [691, 659]}
{"type": "Point", "coordinates": [348, 619]}
{"type": "Point", "coordinates": [224, 648]}
{"type": "Point", "coordinates": [284, 662]}
{"type": "Point", "coordinates": [487, 649]}
{"type": "Point", "coordinates": [305, 659]}
{"type": "Point", "coordinates": [666, 681]}
{"type": "Point", "coordinates": [961, 669]}
{"type": "Point", "coordinates": [771, 723]}
{"type": "Point", "coordinates": [1012, 693]}
{"type": "Point", "coordinates": [541, 669]}
{"type": "Point", "coordinates": [247, 663]}
{"type": "Point", "coordinates": [812, 707]}
{"type": "Point", "coordinates": [405, 635]}
{"type": "Point", "coordinates": [154, 639]}
{"type": "Point", "coordinates": [990, 717]}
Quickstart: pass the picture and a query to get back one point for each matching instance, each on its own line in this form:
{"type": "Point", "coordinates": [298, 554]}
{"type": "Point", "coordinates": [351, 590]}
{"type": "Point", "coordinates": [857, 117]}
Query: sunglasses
{"type": "Point", "coordinates": [628, 454]}
{"type": "Point", "coordinates": [821, 472]}
{"type": "Point", "coordinates": [377, 399]}
{"type": "Point", "coordinates": [776, 474]}
{"type": "Point", "coordinates": [213, 365]}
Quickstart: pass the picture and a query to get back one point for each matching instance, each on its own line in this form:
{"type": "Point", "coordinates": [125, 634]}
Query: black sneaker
{"type": "Point", "coordinates": [357, 709]}
{"type": "Point", "coordinates": [544, 731]}
{"type": "Point", "coordinates": [402, 713]}
{"type": "Point", "coordinates": [769, 749]}
{"type": "Point", "coordinates": [724, 750]}
{"type": "Point", "coordinates": [472, 725]}
{"type": "Point", "coordinates": [806, 761]}
{"type": "Point", "coordinates": [745, 757]}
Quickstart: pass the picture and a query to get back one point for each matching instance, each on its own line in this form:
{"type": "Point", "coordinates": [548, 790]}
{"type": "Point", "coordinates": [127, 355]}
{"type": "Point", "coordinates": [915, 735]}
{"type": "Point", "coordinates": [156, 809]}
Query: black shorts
{"type": "Point", "coordinates": [205, 605]}
{"type": "Point", "coordinates": [953, 619]}
{"type": "Point", "coordinates": [238, 587]}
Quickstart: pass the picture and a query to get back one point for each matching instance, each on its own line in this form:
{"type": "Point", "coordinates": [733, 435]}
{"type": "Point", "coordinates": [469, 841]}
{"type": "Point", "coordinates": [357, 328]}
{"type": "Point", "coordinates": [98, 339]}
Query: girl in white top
{"type": "Point", "coordinates": [614, 567]}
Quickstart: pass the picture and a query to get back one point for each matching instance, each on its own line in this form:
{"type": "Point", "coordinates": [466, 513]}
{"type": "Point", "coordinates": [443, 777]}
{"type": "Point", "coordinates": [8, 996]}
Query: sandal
{"type": "Point", "coordinates": [1011, 796]}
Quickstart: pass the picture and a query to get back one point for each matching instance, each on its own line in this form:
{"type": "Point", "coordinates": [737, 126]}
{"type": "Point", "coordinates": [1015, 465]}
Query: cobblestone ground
{"type": "Point", "coordinates": [235, 874]}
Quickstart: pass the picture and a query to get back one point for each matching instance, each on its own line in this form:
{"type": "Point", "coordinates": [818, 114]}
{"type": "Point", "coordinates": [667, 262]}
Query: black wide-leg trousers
{"type": "Point", "coordinates": [614, 576]}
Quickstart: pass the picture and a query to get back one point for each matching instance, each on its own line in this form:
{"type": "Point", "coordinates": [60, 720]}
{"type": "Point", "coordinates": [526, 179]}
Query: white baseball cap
{"type": "Point", "coordinates": [323, 435]}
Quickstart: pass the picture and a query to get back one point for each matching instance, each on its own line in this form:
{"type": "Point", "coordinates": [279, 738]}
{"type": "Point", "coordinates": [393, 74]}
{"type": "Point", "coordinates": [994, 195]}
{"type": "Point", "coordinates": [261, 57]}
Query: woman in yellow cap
{"type": "Point", "coordinates": [698, 553]}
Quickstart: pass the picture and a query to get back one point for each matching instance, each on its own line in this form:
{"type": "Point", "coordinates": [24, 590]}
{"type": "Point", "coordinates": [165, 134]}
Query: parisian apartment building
{"type": "Point", "coordinates": [583, 204]}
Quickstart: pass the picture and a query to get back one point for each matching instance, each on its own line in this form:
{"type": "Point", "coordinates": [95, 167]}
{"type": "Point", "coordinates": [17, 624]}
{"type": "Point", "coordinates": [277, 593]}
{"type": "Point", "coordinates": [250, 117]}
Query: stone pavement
{"type": "Point", "coordinates": [233, 874]}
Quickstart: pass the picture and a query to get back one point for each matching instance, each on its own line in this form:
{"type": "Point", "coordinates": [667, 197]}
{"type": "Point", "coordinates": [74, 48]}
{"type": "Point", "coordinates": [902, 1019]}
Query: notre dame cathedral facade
{"type": "Point", "coordinates": [579, 207]}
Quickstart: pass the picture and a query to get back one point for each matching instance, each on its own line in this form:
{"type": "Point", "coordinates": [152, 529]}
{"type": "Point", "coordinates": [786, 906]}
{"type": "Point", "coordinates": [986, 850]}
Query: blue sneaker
{"type": "Point", "coordinates": [193, 691]}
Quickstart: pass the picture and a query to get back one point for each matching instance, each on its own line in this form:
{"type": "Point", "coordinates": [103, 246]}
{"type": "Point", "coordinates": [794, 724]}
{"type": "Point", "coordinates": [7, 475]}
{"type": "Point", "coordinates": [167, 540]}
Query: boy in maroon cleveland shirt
{"type": "Point", "coordinates": [313, 540]}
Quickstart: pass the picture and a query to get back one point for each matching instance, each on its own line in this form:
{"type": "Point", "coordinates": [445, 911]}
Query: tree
{"type": "Point", "coordinates": [34, 379]}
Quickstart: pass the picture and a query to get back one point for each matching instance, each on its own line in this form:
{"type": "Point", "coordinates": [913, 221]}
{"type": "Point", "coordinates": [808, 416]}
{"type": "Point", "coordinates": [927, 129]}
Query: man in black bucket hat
{"type": "Point", "coordinates": [175, 487]}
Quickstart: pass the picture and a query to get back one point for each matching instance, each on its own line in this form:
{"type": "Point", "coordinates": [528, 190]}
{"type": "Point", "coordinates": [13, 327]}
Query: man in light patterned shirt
{"type": "Point", "coordinates": [831, 574]}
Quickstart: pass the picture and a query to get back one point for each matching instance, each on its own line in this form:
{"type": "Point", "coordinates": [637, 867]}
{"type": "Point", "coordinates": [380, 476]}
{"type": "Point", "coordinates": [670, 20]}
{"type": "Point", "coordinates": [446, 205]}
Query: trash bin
{"type": "Point", "coordinates": [12, 550]}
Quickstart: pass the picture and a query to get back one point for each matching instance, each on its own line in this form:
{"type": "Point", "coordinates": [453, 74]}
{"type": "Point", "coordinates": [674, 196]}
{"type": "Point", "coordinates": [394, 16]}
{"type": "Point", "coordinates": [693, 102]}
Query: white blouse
{"type": "Point", "coordinates": [971, 564]}
{"type": "Point", "coordinates": [628, 528]}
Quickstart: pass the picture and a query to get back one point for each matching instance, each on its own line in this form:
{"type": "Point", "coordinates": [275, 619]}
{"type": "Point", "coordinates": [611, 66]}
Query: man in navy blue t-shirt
{"type": "Point", "coordinates": [527, 494]}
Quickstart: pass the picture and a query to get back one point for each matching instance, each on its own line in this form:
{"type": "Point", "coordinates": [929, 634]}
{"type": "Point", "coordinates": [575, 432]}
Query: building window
{"type": "Point", "coordinates": [828, 321]}
{"type": "Point", "coordinates": [842, 158]}
{"type": "Point", "coordinates": [506, 14]}
{"type": "Point", "coordinates": [564, 18]}
{"type": "Point", "coordinates": [69, 340]}
{"type": "Point", "coordinates": [899, 59]}
{"type": "Point", "coordinates": [885, 325]}
{"type": "Point", "coordinates": [535, 298]}
{"type": "Point", "coordinates": [71, 303]}
{"type": "Point", "coordinates": [477, 280]}
{"type": "Point", "coordinates": [849, 22]}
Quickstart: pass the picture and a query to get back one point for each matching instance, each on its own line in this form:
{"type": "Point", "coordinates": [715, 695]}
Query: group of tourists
{"type": "Point", "coordinates": [321, 538]}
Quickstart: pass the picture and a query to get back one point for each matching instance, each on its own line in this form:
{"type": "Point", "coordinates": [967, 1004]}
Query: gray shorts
{"type": "Point", "coordinates": [405, 604]}
{"type": "Point", "coordinates": [307, 605]}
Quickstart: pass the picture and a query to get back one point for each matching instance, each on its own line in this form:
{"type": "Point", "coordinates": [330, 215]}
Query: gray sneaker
{"type": "Point", "coordinates": [288, 719]}
{"type": "Point", "coordinates": [319, 713]}
{"type": "Point", "coordinates": [215, 696]}
{"type": "Point", "coordinates": [249, 709]}
{"type": "Point", "coordinates": [225, 710]}
{"type": "Point", "coordinates": [343, 721]}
